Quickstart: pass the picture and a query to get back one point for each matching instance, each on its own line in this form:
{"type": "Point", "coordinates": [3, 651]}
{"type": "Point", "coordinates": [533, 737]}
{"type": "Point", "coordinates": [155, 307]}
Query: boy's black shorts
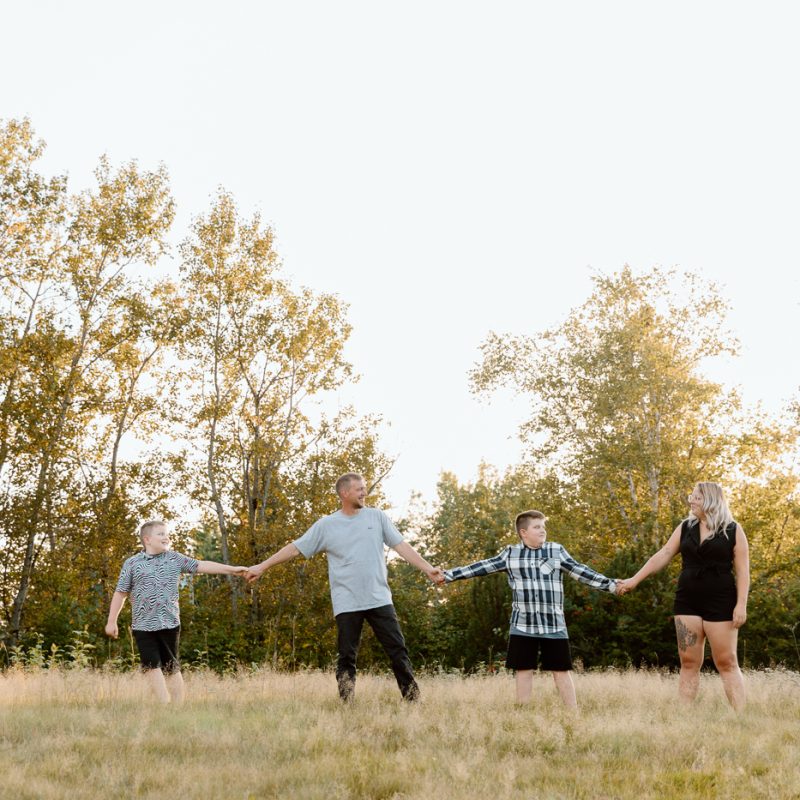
{"type": "Point", "coordinates": [523, 653]}
{"type": "Point", "coordinates": [159, 649]}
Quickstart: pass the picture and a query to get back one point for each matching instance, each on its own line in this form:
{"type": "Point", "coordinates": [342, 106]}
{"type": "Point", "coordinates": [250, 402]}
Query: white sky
{"type": "Point", "coordinates": [451, 168]}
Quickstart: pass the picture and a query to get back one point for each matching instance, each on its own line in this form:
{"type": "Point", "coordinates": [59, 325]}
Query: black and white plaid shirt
{"type": "Point", "coordinates": [536, 583]}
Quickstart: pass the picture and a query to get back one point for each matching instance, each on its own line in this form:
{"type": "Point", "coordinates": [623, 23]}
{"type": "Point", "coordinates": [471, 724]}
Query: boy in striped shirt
{"type": "Point", "coordinates": [534, 569]}
{"type": "Point", "coordinates": [151, 579]}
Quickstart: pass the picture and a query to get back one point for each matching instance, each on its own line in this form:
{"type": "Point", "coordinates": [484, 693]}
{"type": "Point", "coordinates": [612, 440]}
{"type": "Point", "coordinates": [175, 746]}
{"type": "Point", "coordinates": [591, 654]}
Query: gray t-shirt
{"type": "Point", "coordinates": [152, 581]}
{"type": "Point", "coordinates": [356, 564]}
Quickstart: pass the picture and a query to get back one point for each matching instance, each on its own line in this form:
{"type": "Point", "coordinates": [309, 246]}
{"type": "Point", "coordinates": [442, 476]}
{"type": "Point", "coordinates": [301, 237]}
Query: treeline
{"type": "Point", "coordinates": [213, 365]}
{"type": "Point", "coordinates": [623, 423]}
{"type": "Point", "coordinates": [213, 362]}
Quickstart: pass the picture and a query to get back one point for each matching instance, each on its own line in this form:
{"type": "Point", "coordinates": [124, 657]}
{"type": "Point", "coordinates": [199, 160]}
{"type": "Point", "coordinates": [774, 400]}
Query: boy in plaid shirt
{"type": "Point", "coordinates": [534, 568]}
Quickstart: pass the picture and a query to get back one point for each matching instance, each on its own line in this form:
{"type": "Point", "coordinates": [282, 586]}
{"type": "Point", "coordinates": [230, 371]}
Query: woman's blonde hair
{"type": "Point", "coordinates": [715, 507]}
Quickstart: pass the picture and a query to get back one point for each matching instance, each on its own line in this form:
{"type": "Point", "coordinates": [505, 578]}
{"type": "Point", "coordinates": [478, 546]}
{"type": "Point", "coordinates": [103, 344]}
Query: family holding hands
{"type": "Point", "coordinates": [710, 602]}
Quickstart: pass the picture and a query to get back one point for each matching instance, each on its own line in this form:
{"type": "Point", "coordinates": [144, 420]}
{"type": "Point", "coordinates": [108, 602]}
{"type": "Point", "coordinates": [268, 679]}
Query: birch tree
{"type": "Point", "coordinates": [256, 350]}
{"type": "Point", "coordinates": [70, 264]}
{"type": "Point", "coordinates": [620, 406]}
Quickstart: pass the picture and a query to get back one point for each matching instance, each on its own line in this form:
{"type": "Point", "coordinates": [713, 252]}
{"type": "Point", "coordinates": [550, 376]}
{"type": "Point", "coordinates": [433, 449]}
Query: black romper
{"type": "Point", "coordinates": [706, 587]}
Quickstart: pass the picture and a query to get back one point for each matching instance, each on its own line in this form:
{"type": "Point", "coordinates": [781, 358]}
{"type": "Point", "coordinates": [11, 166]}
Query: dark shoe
{"type": "Point", "coordinates": [411, 693]}
{"type": "Point", "coordinates": [347, 688]}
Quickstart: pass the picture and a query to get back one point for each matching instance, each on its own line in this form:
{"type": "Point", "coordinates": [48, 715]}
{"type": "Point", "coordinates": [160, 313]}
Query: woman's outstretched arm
{"type": "Point", "coordinates": [655, 563]}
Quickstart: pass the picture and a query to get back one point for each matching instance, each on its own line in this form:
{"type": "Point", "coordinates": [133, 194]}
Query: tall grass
{"type": "Point", "coordinates": [260, 734]}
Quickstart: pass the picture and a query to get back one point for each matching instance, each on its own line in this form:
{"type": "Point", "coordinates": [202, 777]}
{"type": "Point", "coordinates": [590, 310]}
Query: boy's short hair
{"type": "Point", "coordinates": [525, 518]}
{"type": "Point", "coordinates": [344, 481]}
{"type": "Point", "coordinates": [146, 528]}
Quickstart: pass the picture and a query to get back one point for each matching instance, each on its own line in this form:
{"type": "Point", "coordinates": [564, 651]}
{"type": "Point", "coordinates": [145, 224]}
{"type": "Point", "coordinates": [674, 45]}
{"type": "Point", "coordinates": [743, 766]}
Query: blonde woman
{"type": "Point", "coordinates": [709, 603]}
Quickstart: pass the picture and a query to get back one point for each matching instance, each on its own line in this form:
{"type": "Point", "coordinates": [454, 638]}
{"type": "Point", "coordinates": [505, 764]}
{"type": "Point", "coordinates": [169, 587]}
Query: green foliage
{"type": "Point", "coordinates": [78, 654]}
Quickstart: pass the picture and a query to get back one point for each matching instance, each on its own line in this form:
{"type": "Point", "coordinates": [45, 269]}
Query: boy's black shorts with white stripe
{"type": "Point", "coordinates": [523, 653]}
{"type": "Point", "coordinates": [159, 649]}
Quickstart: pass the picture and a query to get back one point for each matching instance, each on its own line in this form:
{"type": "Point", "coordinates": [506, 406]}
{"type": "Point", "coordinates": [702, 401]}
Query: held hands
{"type": "Point", "coordinates": [252, 574]}
{"type": "Point", "coordinates": [436, 574]}
{"type": "Point", "coordinates": [625, 585]}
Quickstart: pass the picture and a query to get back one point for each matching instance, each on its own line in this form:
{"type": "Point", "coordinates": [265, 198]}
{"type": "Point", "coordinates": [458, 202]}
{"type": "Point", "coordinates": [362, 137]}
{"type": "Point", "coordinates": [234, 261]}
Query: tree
{"type": "Point", "coordinates": [66, 282]}
{"type": "Point", "coordinates": [620, 408]}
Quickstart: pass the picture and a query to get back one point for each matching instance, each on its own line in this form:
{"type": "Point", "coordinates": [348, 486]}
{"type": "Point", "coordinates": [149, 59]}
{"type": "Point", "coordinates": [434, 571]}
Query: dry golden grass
{"type": "Point", "coordinates": [86, 734]}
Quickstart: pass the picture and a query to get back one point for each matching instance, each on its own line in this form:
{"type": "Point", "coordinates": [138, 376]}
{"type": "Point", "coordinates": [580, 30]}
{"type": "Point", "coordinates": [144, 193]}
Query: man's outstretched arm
{"type": "Point", "coordinates": [284, 554]}
{"type": "Point", "coordinates": [406, 551]}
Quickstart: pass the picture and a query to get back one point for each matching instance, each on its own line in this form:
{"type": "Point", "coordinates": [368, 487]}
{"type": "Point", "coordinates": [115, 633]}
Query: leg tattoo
{"type": "Point", "coordinates": [686, 638]}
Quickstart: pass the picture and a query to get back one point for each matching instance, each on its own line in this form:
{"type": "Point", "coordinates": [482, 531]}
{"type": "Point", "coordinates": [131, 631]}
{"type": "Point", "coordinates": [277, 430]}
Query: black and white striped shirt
{"type": "Point", "coordinates": [152, 581]}
{"type": "Point", "coordinates": [535, 578]}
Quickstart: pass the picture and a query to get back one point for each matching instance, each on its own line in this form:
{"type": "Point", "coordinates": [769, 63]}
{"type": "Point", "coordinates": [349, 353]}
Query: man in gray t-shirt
{"type": "Point", "coordinates": [354, 538]}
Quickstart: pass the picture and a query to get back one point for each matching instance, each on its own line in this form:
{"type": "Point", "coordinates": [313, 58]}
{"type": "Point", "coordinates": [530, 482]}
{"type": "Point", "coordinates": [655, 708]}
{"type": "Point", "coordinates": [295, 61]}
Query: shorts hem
{"type": "Point", "coordinates": [705, 616]}
{"type": "Point", "coordinates": [524, 653]}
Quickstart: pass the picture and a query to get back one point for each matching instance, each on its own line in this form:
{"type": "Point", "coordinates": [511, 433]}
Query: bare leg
{"type": "Point", "coordinates": [566, 688]}
{"type": "Point", "coordinates": [524, 685]}
{"type": "Point", "coordinates": [155, 677]}
{"type": "Point", "coordinates": [722, 637]}
{"type": "Point", "coordinates": [691, 644]}
{"type": "Point", "coordinates": [175, 686]}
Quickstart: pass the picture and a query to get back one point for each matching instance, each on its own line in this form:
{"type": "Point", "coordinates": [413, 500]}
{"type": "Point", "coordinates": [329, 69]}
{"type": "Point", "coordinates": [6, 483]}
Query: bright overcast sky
{"type": "Point", "coordinates": [451, 168]}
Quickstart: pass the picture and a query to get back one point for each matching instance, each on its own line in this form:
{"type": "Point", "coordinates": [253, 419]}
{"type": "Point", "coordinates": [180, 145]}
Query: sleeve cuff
{"type": "Point", "coordinates": [301, 550]}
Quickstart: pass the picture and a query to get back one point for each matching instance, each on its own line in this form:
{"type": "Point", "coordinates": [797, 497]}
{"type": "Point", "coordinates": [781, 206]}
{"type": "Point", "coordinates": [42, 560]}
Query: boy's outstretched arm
{"type": "Point", "coordinates": [215, 568]}
{"type": "Point", "coordinates": [406, 551]}
{"type": "Point", "coordinates": [586, 574]}
{"type": "Point", "coordinates": [284, 554]}
{"type": "Point", "coordinates": [496, 563]}
{"type": "Point", "coordinates": [117, 601]}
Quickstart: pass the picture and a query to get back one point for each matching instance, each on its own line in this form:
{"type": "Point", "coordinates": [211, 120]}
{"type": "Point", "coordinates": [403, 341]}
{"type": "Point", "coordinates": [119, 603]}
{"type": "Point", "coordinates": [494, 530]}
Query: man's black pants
{"type": "Point", "coordinates": [384, 624]}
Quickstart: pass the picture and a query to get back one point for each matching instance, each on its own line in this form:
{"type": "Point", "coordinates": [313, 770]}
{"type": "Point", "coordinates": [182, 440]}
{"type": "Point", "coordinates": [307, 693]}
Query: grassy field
{"type": "Point", "coordinates": [85, 734]}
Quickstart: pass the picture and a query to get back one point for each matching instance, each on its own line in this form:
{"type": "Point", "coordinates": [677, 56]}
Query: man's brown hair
{"type": "Point", "coordinates": [344, 481]}
{"type": "Point", "coordinates": [525, 518]}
